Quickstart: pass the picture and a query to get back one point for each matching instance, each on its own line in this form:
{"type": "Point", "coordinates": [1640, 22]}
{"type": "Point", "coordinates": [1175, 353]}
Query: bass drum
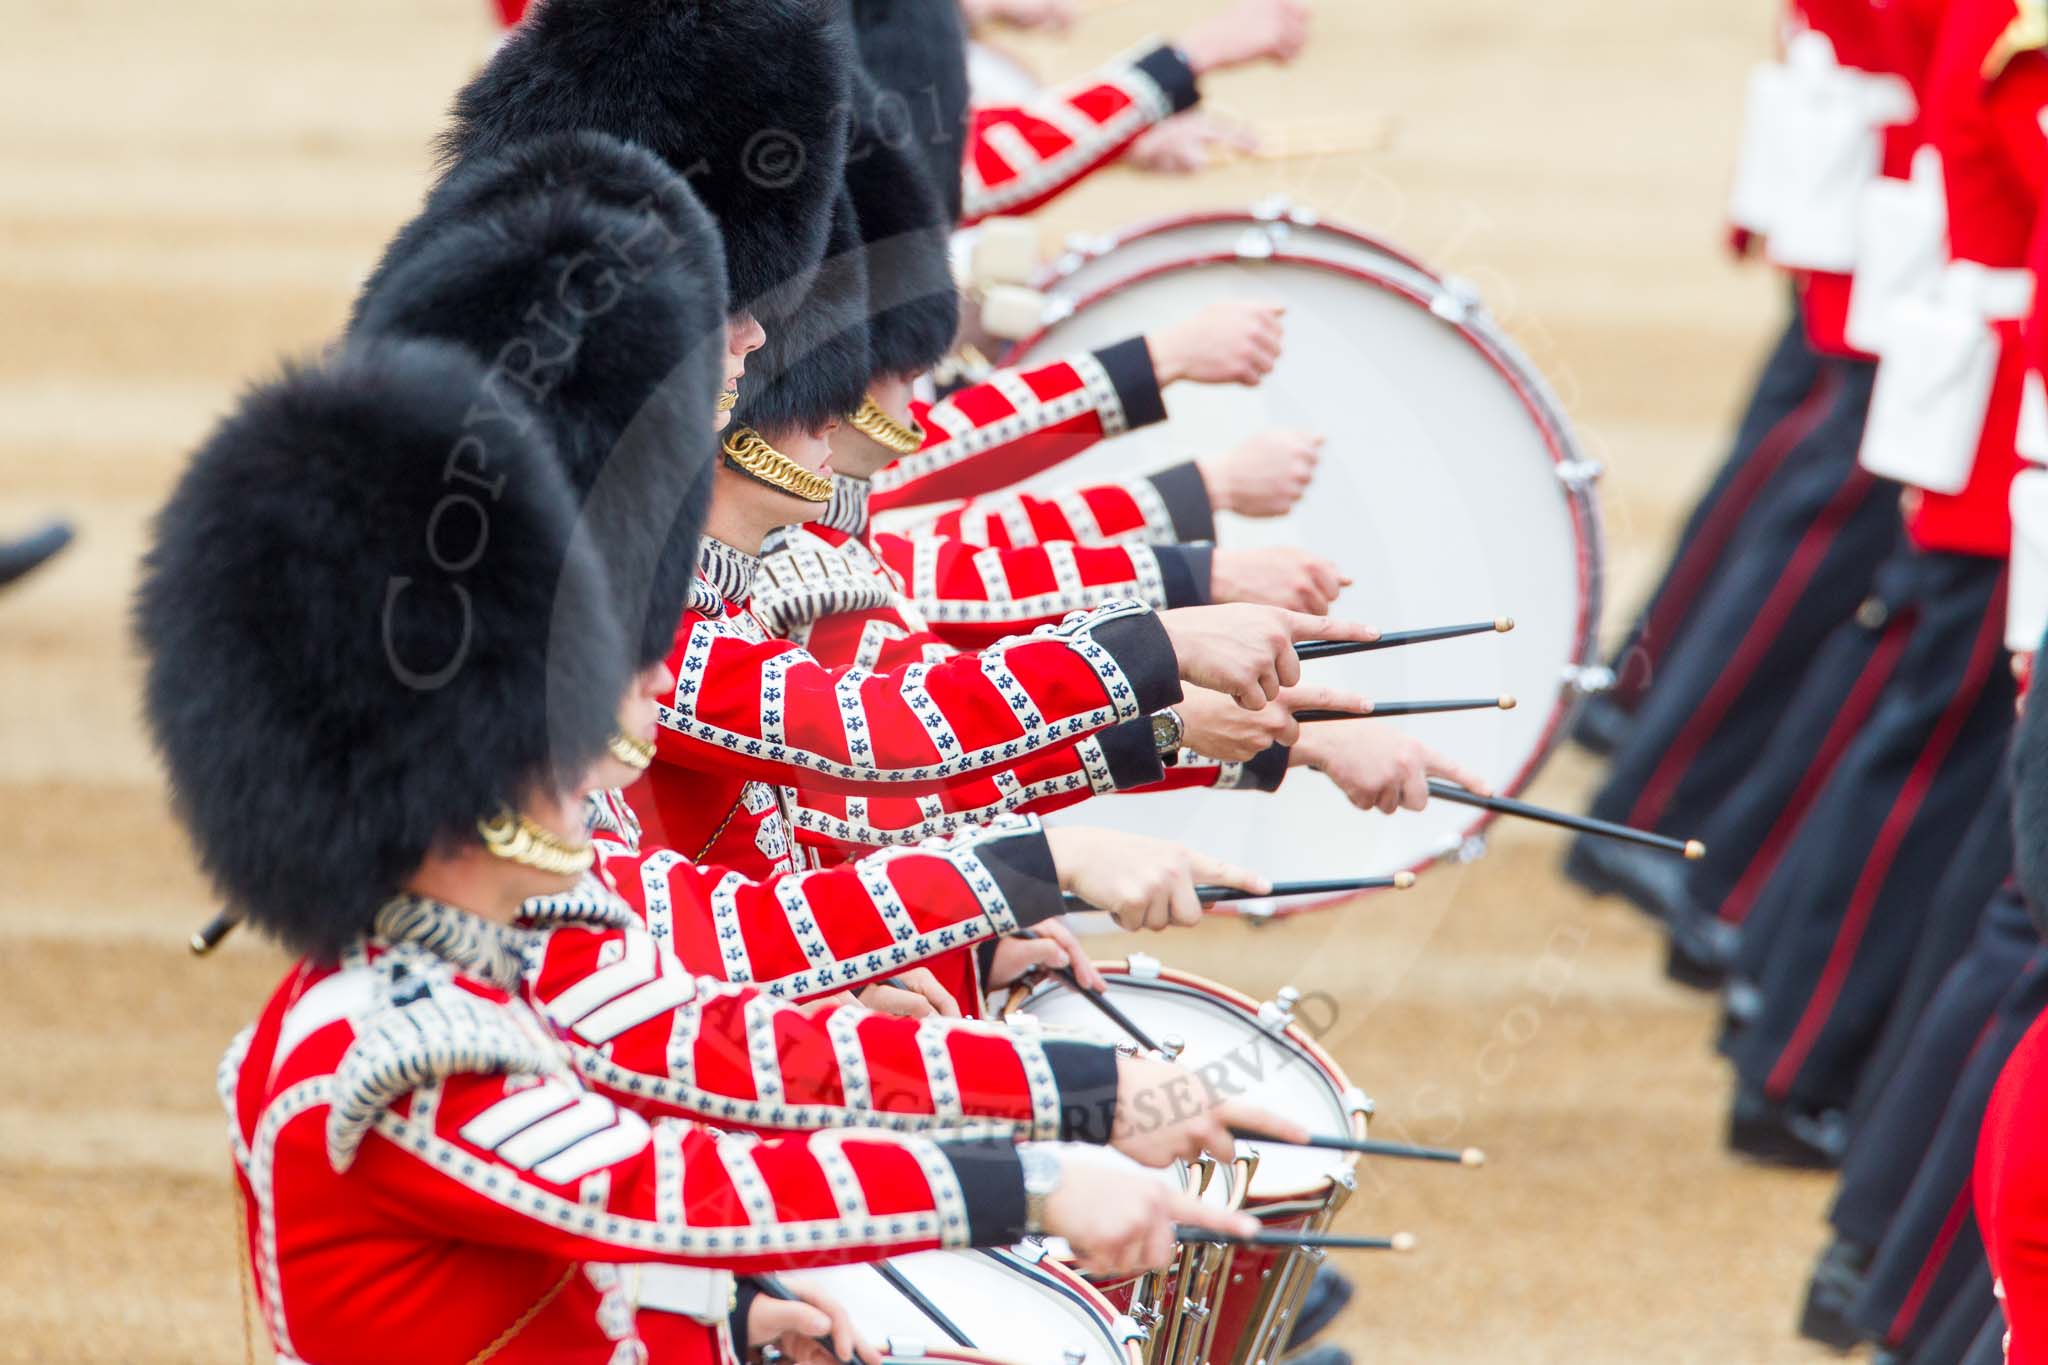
{"type": "Point", "coordinates": [1277, 226]}
{"type": "Point", "coordinates": [1451, 490]}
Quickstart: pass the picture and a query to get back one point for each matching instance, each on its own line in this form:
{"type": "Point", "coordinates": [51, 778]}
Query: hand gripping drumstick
{"type": "Point", "coordinates": [1691, 849]}
{"type": "Point", "coordinates": [1470, 1156]}
{"type": "Point", "coordinates": [1329, 649]}
{"type": "Point", "coordinates": [1383, 709]}
{"type": "Point", "coordinates": [1213, 895]}
{"type": "Point", "coordinates": [774, 1288]}
{"type": "Point", "coordinates": [1273, 1237]}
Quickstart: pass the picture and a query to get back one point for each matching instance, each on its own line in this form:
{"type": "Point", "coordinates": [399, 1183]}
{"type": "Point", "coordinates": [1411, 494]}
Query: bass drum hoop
{"type": "Point", "coordinates": [1463, 314]}
{"type": "Point", "coordinates": [1085, 249]}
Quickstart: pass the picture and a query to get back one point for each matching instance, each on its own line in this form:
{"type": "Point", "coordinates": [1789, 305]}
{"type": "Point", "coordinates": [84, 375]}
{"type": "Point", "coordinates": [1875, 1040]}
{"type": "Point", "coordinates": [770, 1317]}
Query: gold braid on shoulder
{"type": "Point", "coordinates": [884, 430]}
{"type": "Point", "coordinates": [752, 455]}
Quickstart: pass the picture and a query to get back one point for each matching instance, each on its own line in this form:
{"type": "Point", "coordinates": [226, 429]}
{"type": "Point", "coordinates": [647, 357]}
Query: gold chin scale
{"type": "Point", "coordinates": [884, 430]}
{"type": "Point", "coordinates": [728, 399]}
{"type": "Point", "coordinates": [517, 839]}
{"type": "Point", "coordinates": [754, 456]}
{"type": "Point", "coordinates": [636, 754]}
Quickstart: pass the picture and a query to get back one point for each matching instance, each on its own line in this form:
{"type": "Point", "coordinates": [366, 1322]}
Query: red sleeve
{"type": "Point", "coordinates": [1166, 508]}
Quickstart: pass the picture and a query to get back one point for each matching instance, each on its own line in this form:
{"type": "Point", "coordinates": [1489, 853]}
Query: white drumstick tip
{"type": "Point", "coordinates": [1507, 703]}
{"type": "Point", "coordinates": [1503, 624]}
{"type": "Point", "coordinates": [1694, 850]}
{"type": "Point", "coordinates": [1403, 880]}
{"type": "Point", "coordinates": [1472, 1156]}
{"type": "Point", "coordinates": [1403, 1241]}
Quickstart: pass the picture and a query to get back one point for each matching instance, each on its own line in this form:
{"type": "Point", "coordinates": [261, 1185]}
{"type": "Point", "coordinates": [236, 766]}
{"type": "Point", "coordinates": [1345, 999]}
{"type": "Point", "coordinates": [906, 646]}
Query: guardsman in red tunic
{"type": "Point", "coordinates": [429, 1165]}
{"type": "Point", "coordinates": [1833, 930]}
{"type": "Point", "coordinates": [1706, 736]}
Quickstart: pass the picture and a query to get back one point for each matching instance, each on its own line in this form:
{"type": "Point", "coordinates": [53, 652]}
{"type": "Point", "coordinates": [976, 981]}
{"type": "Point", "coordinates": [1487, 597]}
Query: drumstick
{"type": "Point", "coordinates": [1691, 849]}
{"type": "Point", "coordinates": [1211, 895]}
{"type": "Point", "coordinates": [902, 1285]}
{"type": "Point", "coordinates": [1394, 639]}
{"type": "Point", "coordinates": [774, 1288]}
{"type": "Point", "coordinates": [209, 935]}
{"type": "Point", "coordinates": [1409, 708]}
{"type": "Point", "coordinates": [1276, 1237]}
{"type": "Point", "coordinates": [1470, 1156]}
{"type": "Point", "coordinates": [1101, 1002]}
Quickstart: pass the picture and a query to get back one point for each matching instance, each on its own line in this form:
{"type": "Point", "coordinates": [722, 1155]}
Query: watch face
{"type": "Point", "coordinates": [1166, 730]}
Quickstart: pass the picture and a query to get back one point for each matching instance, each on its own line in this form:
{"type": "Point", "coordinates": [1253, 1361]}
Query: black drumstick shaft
{"type": "Point", "coordinates": [1276, 1237]}
{"type": "Point", "coordinates": [1213, 895]}
{"type": "Point", "coordinates": [1102, 1003]}
{"type": "Point", "coordinates": [1386, 709]}
{"type": "Point", "coordinates": [1584, 824]}
{"type": "Point", "coordinates": [902, 1285]}
{"type": "Point", "coordinates": [209, 935]}
{"type": "Point", "coordinates": [774, 1288]}
{"type": "Point", "coordinates": [1393, 639]}
{"type": "Point", "coordinates": [1469, 1156]}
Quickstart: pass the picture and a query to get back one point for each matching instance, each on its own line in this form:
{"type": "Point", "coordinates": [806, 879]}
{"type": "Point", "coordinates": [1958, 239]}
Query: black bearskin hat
{"type": "Point", "coordinates": [367, 627]}
{"type": "Point", "coordinates": [2030, 802]}
{"type": "Point", "coordinates": [913, 305]}
{"type": "Point", "coordinates": [814, 366]}
{"type": "Point", "coordinates": [746, 98]}
{"type": "Point", "coordinates": [917, 49]}
{"type": "Point", "coordinates": [611, 324]}
{"type": "Point", "coordinates": [613, 173]}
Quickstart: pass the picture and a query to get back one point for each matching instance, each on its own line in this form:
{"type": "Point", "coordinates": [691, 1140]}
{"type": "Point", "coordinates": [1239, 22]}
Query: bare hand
{"type": "Point", "coordinates": [1377, 767]}
{"type": "Point", "coordinates": [1118, 1220]}
{"type": "Point", "coordinates": [1217, 727]}
{"type": "Point", "coordinates": [1246, 651]}
{"type": "Point", "coordinates": [795, 1327]}
{"type": "Point", "coordinates": [915, 994]}
{"type": "Point", "coordinates": [1225, 343]}
{"type": "Point", "coordinates": [1182, 144]}
{"type": "Point", "coordinates": [1166, 1112]}
{"type": "Point", "coordinates": [1275, 576]}
{"type": "Point", "coordinates": [1054, 947]}
{"type": "Point", "coordinates": [1143, 883]}
{"type": "Point", "coordinates": [1249, 31]}
{"type": "Point", "coordinates": [1265, 475]}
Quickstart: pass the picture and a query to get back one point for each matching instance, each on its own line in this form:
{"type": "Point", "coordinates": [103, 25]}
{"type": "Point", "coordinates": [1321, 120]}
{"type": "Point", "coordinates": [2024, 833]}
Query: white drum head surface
{"type": "Point", "coordinates": [1094, 263]}
{"type": "Point", "coordinates": [1439, 495]}
{"type": "Point", "coordinates": [1270, 1072]}
{"type": "Point", "coordinates": [1010, 1310]}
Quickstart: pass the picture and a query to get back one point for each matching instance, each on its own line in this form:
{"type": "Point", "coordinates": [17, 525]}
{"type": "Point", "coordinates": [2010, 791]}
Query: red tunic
{"type": "Point", "coordinates": [2011, 1193]}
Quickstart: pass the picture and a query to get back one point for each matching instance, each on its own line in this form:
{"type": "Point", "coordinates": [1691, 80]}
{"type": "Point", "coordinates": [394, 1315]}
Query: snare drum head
{"type": "Point", "coordinates": [1275, 1073]}
{"type": "Point", "coordinates": [1021, 1313]}
{"type": "Point", "coordinates": [1439, 494]}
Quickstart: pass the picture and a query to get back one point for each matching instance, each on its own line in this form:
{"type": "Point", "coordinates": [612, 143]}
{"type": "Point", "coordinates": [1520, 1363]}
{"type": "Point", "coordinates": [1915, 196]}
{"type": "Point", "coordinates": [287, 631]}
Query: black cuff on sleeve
{"type": "Point", "coordinates": [1187, 502]}
{"type": "Point", "coordinates": [992, 1179]}
{"type": "Point", "coordinates": [1132, 756]}
{"type": "Point", "coordinates": [744, 1292]}
{"type": "Point", "coordinates": [1026, 874]}
{"type": "Point", "coordinates": [985, 956]}
{"type": "Point", "coordinates": [1169, 70]}
{"type": "Point", "coordinates": [1266, 772]}
{"type": "Point", "coordinates": [1184, 572]}
{"type": "Point", "coordinates": [1129, 367]}
{"type": "Point", "coordinates": [1086, 1076]}
{"type": "Point", "coordinates": [1142, 649]}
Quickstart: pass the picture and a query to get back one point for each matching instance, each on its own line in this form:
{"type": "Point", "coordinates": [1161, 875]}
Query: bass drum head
{"type": "Point", "coordinates": [1018, 1312]}
{"type": "Point", "coordinates": [1092, 262]}
{"type": "Point", "coordinates": [1444, 495]}
{"type": "Point", "coordinates": [1272, 1071]}
{"type": "Point", "coordinates": [995, 78]}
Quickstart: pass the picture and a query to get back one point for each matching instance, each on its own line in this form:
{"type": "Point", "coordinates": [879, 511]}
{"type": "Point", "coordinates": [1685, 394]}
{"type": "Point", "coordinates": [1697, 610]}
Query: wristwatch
{"type": "Point", "coordinates": [1041, 1178]}
{"type": "Point", "coordinates": [1167, 732]}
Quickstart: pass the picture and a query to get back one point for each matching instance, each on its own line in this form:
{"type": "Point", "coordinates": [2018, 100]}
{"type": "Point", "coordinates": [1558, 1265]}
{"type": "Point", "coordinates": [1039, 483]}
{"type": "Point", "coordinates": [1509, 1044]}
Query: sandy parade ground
{"type": "Point", "coordinates": [186, 192]}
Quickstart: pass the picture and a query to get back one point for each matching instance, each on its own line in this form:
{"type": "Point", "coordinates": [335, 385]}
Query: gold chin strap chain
{"type": "Point", "coordinates": [753, 455]}
{"type": "Point", "coordinates": [637, 754]}
{"type": "Point", "coordinates": [884, 430]}
{"type": "Point", "coordinates": [512, 836]}
{"type": "Point", "coordinates": [728, 399]}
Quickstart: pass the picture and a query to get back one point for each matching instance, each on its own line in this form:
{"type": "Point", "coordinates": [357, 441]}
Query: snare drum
{"type": "Point", "coordinates": [1258, 1051]}
{"type": "Point", "coordinates": [1016, 1309]}
{"type": "Point", "coordinates": [1091, 262]}
{"type": "Point", "coordinates": [1451, 489]}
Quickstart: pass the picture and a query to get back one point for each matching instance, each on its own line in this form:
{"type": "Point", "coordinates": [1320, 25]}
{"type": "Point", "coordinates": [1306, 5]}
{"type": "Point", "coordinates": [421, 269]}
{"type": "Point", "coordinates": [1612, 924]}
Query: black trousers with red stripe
{"type": "Point", "coordinates": [1932, 1247]}
{"type": "Point", "coordinates": [1891, 1145]}
{"type": "Point", "coordinates": [1783, 406]}
{"type": "Point", "coordinates": [1836, 925]}
{"type": "Point", "coordinates": [1803, 563]}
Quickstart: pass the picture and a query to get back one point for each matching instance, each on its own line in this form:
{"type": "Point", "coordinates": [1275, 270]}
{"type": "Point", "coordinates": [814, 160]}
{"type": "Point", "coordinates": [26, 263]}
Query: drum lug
{"type": "Point", "coordinates": [1058, 309]}
{"type": "Point", "coordinates": [1587, 679]}
{"type": "Point", "coordinates": [1356, 1101]}
{"type": "Point", "coordinates": [1255, 244]}
{"type": "Point", "coordinates": [1171, 1045]}
{"type": "Point", "coordinates": [1471, 848]}
{"type": "Point", "coordinates": [1578, 475]}
{"type": "Point", "coordinates": [1142, 967]}
{"type": "Point", "coordinates": [1085, 246]}
{"type": "Point", "coordinates": [904, 1346]}
{"type": "Point", "coordinates": [1032, 1250]}
{"type": "Point", "coordinates": [1457, 302]}
{"type": "Point", "coordinates": [1128, 1329]}
{"type": "Point", "coordinates": [1273, 208]}
{"type": "Point", "coordinates": [1276, 1014]}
